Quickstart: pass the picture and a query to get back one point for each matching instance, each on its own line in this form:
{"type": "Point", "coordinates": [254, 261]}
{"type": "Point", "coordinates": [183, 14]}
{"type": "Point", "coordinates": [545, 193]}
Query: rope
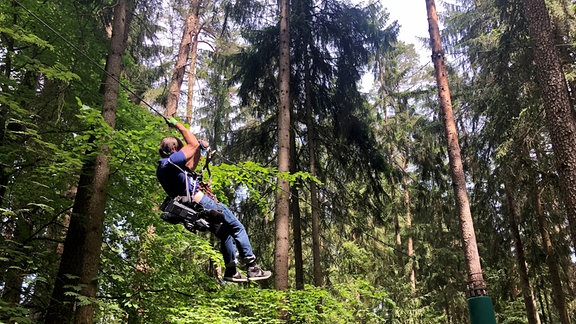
{"type": "Point", "coordinates": [90, 59]}
{"type": "Point", "coordinates": [187, 183]}
{"type": "Point", "coordinates": [205, 187]}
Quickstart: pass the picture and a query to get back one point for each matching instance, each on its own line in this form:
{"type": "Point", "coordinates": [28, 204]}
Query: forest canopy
{"type": "Point", "coordinates": [357, 181]}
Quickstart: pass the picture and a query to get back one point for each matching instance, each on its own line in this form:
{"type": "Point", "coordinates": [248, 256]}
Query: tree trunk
{"type": "Point", "coordinates": [551, 261]}
{"type": "Point", "coordinates": [6, 70]}
{"type": "Point", "coordinates": [527, 292]}
{"type": "Point", "coordinates": [191, 79]}
{"type": "Point", "coordinates": [315, 212]}
{"type": "Point", "coordinates": [560, 115]}
{"type": "Point", "coordinates": [399, 251]}
{"type": "Point", "coordinates": [406, 200]}
{"type": "Point", "coordinates": [476, 284]}
{"type": "Point", "coordinates": [14, 275]}
{"type": "Point", "coordinates": [296, 218]}
{"type": "Point", "coordinates": [181, 60]}
{"type": "Point", "coordinates": [297, 230]}
{"type": "Point", "coordinates": [81, 257]}
{"type": "Point", "coordinates": [282, 198]}
{"type": "Point", "coordinates": [398, 236]}
{"type": "Point", "coordinates": [540, 301]}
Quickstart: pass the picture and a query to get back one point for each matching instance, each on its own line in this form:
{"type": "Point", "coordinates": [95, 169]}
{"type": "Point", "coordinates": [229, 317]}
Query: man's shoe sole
{"type": "Point", "coordinates": [229, 279]}
{"type": "Point", "coordinates": [259, 278]}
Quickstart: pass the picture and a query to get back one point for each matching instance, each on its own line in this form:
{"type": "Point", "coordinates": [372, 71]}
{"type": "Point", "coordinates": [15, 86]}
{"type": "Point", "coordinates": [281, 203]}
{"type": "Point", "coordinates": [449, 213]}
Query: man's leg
{"type": "Point", "coordinates": [228, 250]}
{"type": "Point", "coordinates": [232, 235]}
{"type": "Point", "coordinates": [238, 232]}
{"type": "Point", "coordinates": [231, 227]}
{"type": "Point", "coordinates": [227, 246]}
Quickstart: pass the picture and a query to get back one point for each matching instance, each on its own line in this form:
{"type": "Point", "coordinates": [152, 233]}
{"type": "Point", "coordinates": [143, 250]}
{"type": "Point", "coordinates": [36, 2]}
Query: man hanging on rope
{"type": "Point", "coordinates": [174, 174]}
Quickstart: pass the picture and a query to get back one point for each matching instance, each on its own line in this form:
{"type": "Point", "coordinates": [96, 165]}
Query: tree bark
{"type": "Point", "coordinates": [527, 291]}
{"type": "Point", "coordinates": [282, 219]}
{"type": "Point", "coordinates": [14, 276]}
{"type": "Point", "coordinates": [191, 79]}
{"type": "Point", "coordinates": [399, 251]}
{"type": "Point", "coordinates": [315, 205]}
{"type": "Point", "coordinates": [560, 115]}
{"type": "Point", "coordinates": [551, 260]}
{"type": "Point", "coordinates": [296, 218]}
{"type": "Point", "coordinates": [406, 200]}
{"type": "Point", "coordinates": [476, 284]}
{"type": "Point", "coordinates": [81, 256]}
{"type": "Point", "coordinates": [181, 60]}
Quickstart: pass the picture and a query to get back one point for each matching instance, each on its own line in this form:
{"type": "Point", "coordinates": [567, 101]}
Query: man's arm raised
{"type": "Point", "coordinates": [192, 148]}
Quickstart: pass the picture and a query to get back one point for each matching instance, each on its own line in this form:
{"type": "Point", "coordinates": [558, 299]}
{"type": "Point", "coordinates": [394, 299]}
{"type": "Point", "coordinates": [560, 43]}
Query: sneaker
{"type": "Point", "coordinates": [255, 273]}
{"type": "Point", "coordinates": [237, 277]}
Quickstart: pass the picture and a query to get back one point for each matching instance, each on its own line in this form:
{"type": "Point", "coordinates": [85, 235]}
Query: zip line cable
{"type": "Point", "coordinates": [104, 70]}
{"type": "Point", "coordinates": [80, 51]}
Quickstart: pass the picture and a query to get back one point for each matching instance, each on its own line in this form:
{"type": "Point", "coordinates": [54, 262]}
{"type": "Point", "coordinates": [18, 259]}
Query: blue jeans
{"type": "Point", "coordinates": [232, 234]}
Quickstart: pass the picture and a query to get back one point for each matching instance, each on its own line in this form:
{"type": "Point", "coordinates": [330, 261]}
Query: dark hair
{"type": "Point", "coordinates": [168, 145]}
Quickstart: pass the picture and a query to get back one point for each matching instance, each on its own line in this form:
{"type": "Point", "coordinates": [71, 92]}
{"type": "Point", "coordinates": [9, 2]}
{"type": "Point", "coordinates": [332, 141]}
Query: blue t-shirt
{"type": "Point", "coordinates": [172, 179]}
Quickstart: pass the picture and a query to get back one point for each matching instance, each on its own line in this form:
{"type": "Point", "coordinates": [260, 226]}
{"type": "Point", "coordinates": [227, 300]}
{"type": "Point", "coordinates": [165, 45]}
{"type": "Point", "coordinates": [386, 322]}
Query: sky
{"type": "Point", "coordinates": [413, 20]}
{"type": "Point", "coordinates": [411, 15]}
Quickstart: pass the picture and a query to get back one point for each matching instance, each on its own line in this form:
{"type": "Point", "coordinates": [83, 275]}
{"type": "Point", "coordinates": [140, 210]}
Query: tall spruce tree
{"type": "Point", "coordinates": [187, 43]}
{"type": "Point", "coordinates": [81, 258]}
{"type": "Point", "coordinates": [476, 286]}
{"type": "Point", "coordinates": [345, 35]}
{"type": "Point", "coordinates": [560, 115]}
{"type": "Point", "coordinates": [282, 215]}
{"type": "Point", "coordinates": [507, 118]}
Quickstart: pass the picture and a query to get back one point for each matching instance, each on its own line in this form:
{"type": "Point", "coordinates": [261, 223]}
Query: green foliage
{"type": "Point", "coordinates": [513, 312]}
{"type": "Point", "coordinates": [14, 314]}
{"type": "Point", "coordinates": [19, 34]}
{"type": "Point", "coordinates": [152, 271]}
{"type": "Point", "coordinates": [248, 175]}
{"type": "Point", "coordinates": [355, 302]}
{"type": "Point", "coordinates": [252, 178]}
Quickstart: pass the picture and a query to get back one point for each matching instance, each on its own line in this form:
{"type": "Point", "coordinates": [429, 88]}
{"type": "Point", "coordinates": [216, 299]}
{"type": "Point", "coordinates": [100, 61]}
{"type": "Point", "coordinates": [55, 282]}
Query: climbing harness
{"type": "Point", "coordinates": [205, 185]}
{"type": "Point", "coordinates": [178, 210]}
{"type": "Point", "coordinates": [194, 217]}
{"type": "Point", "coordinates": [184, 210]}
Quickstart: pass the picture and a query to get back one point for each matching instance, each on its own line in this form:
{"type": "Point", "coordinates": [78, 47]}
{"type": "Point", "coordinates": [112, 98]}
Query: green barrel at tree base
{"type": "Point", "coordinates": [481, 310]}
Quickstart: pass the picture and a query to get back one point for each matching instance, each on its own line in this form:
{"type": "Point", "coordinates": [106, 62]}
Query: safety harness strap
{"type": "Point", "coordinates": [187, 176]}
{"type": "Point", "coordinates": [191, 214]}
